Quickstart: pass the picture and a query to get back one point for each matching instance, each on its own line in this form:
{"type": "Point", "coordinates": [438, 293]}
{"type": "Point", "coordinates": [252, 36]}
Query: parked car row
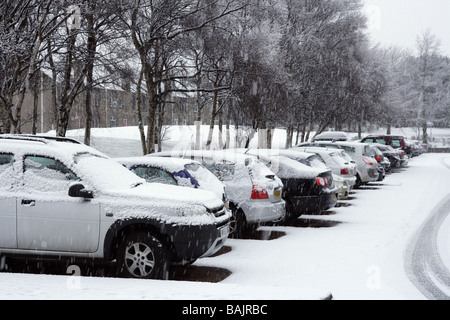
{"type": "Point", "coordinates": [62, 199]}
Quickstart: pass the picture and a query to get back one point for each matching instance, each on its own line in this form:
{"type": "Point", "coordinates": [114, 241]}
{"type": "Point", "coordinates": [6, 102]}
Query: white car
{"type": "Point", "coordinates": [62, 199]}
{"type": "Point", "coordinates": [174, 171]}
{"type": "Point", "coordinates": [254, 192]}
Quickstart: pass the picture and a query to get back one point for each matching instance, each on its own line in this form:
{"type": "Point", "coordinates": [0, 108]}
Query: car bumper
{"type": "Point", "coordinates": [192, 242]}
{"type": "Point", "coordinates": [260, 211]}
{"type": "Point", "coordinates": [298, 205]}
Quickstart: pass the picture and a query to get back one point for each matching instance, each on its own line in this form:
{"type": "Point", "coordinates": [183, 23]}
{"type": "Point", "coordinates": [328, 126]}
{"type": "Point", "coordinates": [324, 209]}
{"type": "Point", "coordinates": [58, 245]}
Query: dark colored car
{"type": "Point", "coordinates": [395, 156]}
{"type": "Point", "coordinates": [397, 142]}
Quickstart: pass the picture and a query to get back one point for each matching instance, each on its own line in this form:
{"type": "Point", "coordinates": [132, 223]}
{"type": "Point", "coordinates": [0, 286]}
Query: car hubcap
{"type": "Point", "coordinates": [139, 260]}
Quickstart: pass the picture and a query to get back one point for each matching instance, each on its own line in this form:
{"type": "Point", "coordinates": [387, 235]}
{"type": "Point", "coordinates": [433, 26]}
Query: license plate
{"type": "Point", "coordinates": [225, 231]}
{"type": "Point", "coordinates": [277, 193]}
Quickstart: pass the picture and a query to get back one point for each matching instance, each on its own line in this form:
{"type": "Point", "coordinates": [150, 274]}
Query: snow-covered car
{"type": "Point", "coordinates": [366, 165]}
{"type": "Point", "coordinates": [331, 136]}
{"type": "Point", "coordinates": [306, 189]}
{"type": "Point", "coordinates": [254, 192]}
{"type": "Point", "coordinates": [61, 199]}
{"type": "Point", "coordinates": [175, 171]}
{"type": "Point", "coordinates": [343, 170]}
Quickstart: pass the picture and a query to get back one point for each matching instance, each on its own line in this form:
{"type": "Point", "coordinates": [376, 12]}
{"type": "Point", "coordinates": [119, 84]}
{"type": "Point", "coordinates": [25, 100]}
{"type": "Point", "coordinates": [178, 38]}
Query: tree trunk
{"type": "Point", "coordinates": [213, 119]}
{"type": "Point", "coordinates": [220, 125]}
{"type": "Point", "coordinates": [34, 122]}
{"type": "Point", "coordinates": [139, 112]}
{"type": "Point", "coordinates": [228, 120]}
{"type": "Point", "coordinates": [91, 49]}
{"type": "Point", "coordinates": [4, 123]}
{"type": "Point", "coordinates": [198, 122]}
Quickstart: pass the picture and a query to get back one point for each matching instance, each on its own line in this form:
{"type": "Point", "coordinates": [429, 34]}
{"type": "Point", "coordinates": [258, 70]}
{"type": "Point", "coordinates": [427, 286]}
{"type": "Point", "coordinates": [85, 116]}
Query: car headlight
{"type": "Point", "coordinates": [194, 211]}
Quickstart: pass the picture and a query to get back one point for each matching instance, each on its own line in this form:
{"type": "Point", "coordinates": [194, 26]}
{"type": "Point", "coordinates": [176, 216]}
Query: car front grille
{"type": "Point", "coordinates": [218, 212]}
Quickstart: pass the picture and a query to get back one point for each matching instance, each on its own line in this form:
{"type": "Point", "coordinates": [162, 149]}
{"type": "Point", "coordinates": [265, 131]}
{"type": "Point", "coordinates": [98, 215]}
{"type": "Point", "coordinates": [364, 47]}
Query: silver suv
{"type": "Point", "coordinates": [59, 198]}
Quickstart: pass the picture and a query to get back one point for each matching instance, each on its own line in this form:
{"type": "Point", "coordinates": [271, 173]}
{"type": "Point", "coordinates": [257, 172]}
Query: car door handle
{"type": "Point", "coordinates": [28, 203]}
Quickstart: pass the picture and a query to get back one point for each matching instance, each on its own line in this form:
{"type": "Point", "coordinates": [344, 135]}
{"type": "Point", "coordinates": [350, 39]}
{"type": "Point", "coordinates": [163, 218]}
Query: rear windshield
{"type": "Point", "coordinates": [396, 143]}
{"type": "Point", "coordinates": [317, 162]}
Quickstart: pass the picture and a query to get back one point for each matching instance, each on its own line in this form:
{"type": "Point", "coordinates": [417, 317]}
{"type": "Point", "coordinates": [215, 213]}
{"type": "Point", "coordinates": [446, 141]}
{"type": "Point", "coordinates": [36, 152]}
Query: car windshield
{"type": "Point", "coordinates": [104, 174]}
{"type": "Point", "coordinates": [317, 162]}
{"type": "Point", "coordinates": [206, 179]}
{"type": "Point", "coordinates": [396, 143]}
{"type": "Point", "coordinates": [350, 150]}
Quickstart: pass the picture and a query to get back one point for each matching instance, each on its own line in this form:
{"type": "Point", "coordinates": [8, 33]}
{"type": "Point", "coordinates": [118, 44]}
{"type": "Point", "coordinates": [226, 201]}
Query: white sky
{"type": "Point", "coordinates": [399, 22]}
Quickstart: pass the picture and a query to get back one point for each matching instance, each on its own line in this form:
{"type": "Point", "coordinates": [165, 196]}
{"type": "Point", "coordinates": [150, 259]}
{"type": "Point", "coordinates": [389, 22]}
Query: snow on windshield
{"type": "Point", "coordinates": [206, 179]}
{"type": "Point", "coordinates": [105, 174]}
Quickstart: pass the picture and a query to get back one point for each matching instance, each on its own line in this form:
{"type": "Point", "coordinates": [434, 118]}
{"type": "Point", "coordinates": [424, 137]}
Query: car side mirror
{"type": "Point", "coordinates": [79, 191]}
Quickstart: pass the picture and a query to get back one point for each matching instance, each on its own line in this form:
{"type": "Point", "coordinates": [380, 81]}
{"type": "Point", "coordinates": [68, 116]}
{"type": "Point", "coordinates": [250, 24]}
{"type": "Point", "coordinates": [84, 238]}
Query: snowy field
{"type": "Point", "coordinates": [355, 251]}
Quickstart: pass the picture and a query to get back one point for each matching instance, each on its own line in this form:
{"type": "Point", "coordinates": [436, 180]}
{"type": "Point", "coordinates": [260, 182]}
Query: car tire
{"type": "Point", "coordinates": [358, 183]}
{"type": "Point", "coordinates": [143, 256]}
{"type": "Point", "coordinates": [238, 224]}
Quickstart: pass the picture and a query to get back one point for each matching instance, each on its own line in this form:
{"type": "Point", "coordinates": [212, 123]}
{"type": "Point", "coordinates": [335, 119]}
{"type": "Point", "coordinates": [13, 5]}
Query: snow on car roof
{"type": "Point", "coordinates": [63, 149]}
{"type": "Point", "coordinates": [219, 155]}
{"type": "Point", "coordinates": [283, 166]}
{"type": "Point", "coordinates": [170, 164]}
{"type": "Point", "coordinates": [330, 135]}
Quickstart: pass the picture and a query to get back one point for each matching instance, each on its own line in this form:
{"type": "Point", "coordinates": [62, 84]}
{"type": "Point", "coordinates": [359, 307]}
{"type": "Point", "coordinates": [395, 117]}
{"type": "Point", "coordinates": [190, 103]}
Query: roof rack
{"type": "Point", "coordinates": [43, 139]}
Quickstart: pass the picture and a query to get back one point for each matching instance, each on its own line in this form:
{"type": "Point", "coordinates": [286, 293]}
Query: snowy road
{"type": "Point", "coordinates": [424, 264]}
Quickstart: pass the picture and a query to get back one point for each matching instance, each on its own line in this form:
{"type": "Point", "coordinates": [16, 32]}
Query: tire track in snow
{"type": "Point", "coordinates": [424, 265]}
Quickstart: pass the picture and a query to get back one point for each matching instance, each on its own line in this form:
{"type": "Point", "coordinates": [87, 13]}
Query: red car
{"type": "Point", "coordinates": [397, 142]}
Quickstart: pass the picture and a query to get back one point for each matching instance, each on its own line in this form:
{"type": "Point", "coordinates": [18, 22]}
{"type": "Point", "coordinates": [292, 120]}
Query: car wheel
{"type": "Point", "coordinates": [143, 256]}
{"type": "Point", "coordinates": [238, 223]}
{"type": "Point", "coordinates": [358, 182]}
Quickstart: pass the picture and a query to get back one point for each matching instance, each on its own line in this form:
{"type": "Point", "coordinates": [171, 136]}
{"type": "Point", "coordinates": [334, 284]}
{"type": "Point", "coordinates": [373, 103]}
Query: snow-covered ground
{"type": "Point", "coordinates": [356, 251]}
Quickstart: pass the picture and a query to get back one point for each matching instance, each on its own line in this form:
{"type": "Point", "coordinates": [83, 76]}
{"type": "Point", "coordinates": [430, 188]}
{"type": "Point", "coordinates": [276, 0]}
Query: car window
{"type": "Point", "coordinates": [155, 175]}
{"type": "Point", "coordinates": [49, 168]}
{"type": "Point", "coordinates": [210, 165]}
{"type": "Point", "coordinates": [317, 162]}
{"type": "Point", "coordinates": [350, 150]}
{"type": "Point", "coordinates": [368, 151]}
{"type": "Point", "coordinates": [44, 174]}
{"type": "Point", "coordinates": [6, 170]}
{"type": "Point", "coordinates": [225, 171]}
{"type": "Point", "coordinates": [380, 141]}
{"type": "Point", "coordinates": [368, 140]}
{"type": "Point", "coordinates": [396, 143]}
{"type": "Point", "coordinates": [6, 162]}
{"type": "Point", "coordinates": [200, 173]}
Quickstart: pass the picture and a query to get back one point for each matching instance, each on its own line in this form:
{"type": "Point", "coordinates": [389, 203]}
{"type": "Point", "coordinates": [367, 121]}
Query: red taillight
{"type": "Point", "coordinates": [321, 181]}
{"type": "Point", "coordinates": [345, 171]}
{"type": "Point", "coordinates": [259, 193]}
{"type": "Point", "coordinates": [378, 159]}
{"type": "Point", "coordinates": [367, 160]}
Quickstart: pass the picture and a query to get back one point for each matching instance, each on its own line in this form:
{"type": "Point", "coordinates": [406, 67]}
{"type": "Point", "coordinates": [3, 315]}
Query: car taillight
{"type": "Point", "coordinates": [345, 171]}
{"type": "Point", "coordinates": [259, 193]}
{"type": "Point", "coordinates": [367, 160]}
{"type": "Point", "coordinates": [321, 181]}
{"type": "Point", "coordinates": [378, 159]}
